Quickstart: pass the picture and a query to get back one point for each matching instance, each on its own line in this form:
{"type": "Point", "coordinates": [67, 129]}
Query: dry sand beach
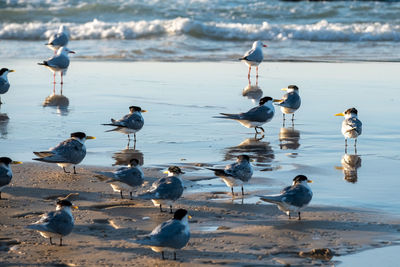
{"type": "Point", "coordinates": [223, 233]}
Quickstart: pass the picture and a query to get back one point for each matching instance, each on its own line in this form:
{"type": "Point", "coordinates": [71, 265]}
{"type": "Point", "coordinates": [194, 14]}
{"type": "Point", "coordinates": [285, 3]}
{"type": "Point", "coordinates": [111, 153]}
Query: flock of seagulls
{"type": "Point", "coordinates": [173, 234]}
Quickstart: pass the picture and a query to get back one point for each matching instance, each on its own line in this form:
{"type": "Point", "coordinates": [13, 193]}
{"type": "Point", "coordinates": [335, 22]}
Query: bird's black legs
{"type": "Point", "coordinates": [74, 170]}
{"type": "Point", "coordinates": [130, 193]}
{"type": "Point", "coordinates": [233, 194]}
{"type": "Point", "coordinates": [242, 191]}
{"type": "Point", "coordinates": [299, 216]}
{"type": "Point", "coordinates": [289, 216]}
{"type": "Point", "coordinates": [51, 242]}
{"type": "Point", "coordinates": [170, 209]}
{"type": "Point", "coordinates": [292, 117]}
{"type": "Point", "coordinates": [259, 127]}
{"type": "Point", "coordinates": [162, 253]}
{"type": "Point", "coordinates": [161, 210]}
{"type": "Point", "coordinates": [120, 191]}
{"type": "Point", "coordinates": [60, 241]}
{"type": "Point", "coordinates": [257, 72]}
{"type": "Point", "coordinates": [174, 256]}
{"type": "Point", "coordinates": [65, 170]}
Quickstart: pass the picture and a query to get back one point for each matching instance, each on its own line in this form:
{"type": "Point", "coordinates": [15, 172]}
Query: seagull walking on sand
{"type": "Point", "coordinates": [56, 224]}
{"type": "Point", "coordinates": [292, 198]}
{"type": "Point", "coordinates": [237, 173]}
{"type": "Point", "coordinates": [290, 102]}
{"type": "Point", "coordinates": [4, 84]}
{"type": "Point", "coordinates": [6, 172]}
{"type": "Point", "coordinates": [125, 178]}
{"type": "Point", "coordinates": [58, 39]}
{"type": "Point", "coordinates": [69, 152]}
{"type": "Point", "coordinates": [351, 126]}
{"type": "Point", "coordinates": [130, 123]}
{"type": "Point", "coordinates": [58, 63]}
{"type": "Point", "coordinates": [166, 190]}
{"type": "Point", "coordinates": [254, 56]}
{"type": "Point", "coordinates": [256, 116]}
{"type": "Point", "coordinates": [173, 234]}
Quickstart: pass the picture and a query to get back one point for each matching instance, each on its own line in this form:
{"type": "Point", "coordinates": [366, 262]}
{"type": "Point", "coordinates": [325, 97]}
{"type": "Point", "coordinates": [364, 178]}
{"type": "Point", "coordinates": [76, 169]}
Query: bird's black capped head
{"type": "Point", "coordinates": [3, 70]}
{"type": "Point", "coordinates": [134, 162]}
{"type": "Point", "coordinates": [265, 100]}
{"type": "Point", "coordinates": [135, 108]}
{"type": "Point", "coordinates": [294, 87]}
{"type": "Point", "coordinates": [5, 160]}
{"type": "Point", "coordinates": [175, 170]}
{"type": "Point", "coordinates": [79, 135]}
{"type": "Point", "coordinates": [64, 203]}
{"type": "Point", "coordinates": [179, 214]}
{"type": "Point", "coordinates": [351, 110]}
{"type": "Point", "coordinates": [243, 157]}
{"type": "Point", "coordinates": [299, 179]}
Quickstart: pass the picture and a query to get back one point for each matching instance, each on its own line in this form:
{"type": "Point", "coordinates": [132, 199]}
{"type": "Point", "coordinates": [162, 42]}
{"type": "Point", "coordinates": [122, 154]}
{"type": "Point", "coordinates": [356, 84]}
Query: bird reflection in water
{"type": "Point", "coordinates": [350, 164]}
{"type": "Point", "coordinates": [253, 92]}
{"type": "Point", "coordinates": [259, 151]}
{"type": "Point", "coordinates": [289, 138]}
{"type": "Point", "coordinates": [60, 102]}
{"type": "Point", "coordinates": [3, 125]}
{"type": "Point", "coordinates": [125, 156]}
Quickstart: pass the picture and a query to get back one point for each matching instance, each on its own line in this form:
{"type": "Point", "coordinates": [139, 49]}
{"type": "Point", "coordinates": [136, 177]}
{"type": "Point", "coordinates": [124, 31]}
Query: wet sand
{"type": "Point", "coordinates": [223, 232]}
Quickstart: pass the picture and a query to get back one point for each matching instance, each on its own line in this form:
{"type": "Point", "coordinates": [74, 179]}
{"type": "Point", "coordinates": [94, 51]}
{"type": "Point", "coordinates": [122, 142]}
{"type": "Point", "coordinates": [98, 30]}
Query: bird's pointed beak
{"type": "Point", "coordinates": [16, 162]}
{"type": "Point", "coordinates": [284, 89]}
{"type": "Point", "coordinates": [143, 111]}
{"type": "Point", "coordinates": [11, 71]}
{"type": "Point", "coordinates": [309, 181]}
{"type": "Point", "coordinates": [277, 100]}
{"type": "Point", "coordinates": [339, 168]}
{"type": "Point", "coordinates": [252, 160]}
{"type": "Point", "coordinates": [90, 137]}
{"type": "Point", "coordinates": [190, 217]}
{"type": "Point", "coordinates": [75, 207]}
{"type": "Point", "coordinates": [71, 52]}
{"type": "Point", "coordinates": [265, 45]}
{"type": "Point", "coordinates": [165, 172]}
{"type": "Point", "coordinates": [339, 114]}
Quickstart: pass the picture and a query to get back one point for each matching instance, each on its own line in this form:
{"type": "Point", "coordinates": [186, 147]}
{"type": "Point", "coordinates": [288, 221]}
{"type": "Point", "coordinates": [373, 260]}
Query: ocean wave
{"type": "Point", "coordinates": [322, 31]}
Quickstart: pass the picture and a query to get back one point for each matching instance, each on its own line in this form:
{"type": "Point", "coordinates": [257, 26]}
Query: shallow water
{"type": "Point", "coordinates": [182, 98]}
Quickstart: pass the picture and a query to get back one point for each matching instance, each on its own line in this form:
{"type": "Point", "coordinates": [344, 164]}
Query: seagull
{"type": "Point", "coordinates": [173, 234]}
{"type": "Point", "coordinates": [256, 116]}
{"type": "Point", "coordinates": [125, 178]}
{"type": "Point", "coordinates": [59, 62]}
{"type": "Point", "coordinates": [57, 223]}
{"type": "Point", "coordinates": [130, 123]}
{"type": "Point", "coordinates": [290, 102]}
{"type": "Point", "coordinates": [4, 84]}
{"type": "Point", "coordinates": [69, 152]}
{"type": "Point", "coordinates": [254, 56]}
{"type": "Point", "coordinates": [292, 198]}
{"type": "Point", "coordinates": [237, 173]}
{"type": "Point", "coordinates": [166, 190]}
{"type": "Point", "coordinates": [6, 172]}
{"type": "Point", "coordinates": [58, 39]}
{"type": "Point", "coordinates": [351, 125]}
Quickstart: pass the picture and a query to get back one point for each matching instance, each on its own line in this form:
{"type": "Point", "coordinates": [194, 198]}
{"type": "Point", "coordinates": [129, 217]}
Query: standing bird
{"type": "Point", "coordinates": [256, 116]}
{"type": "Point", "coordinates": [254, 56]}
{"type": "Point", "coordinates": [6, 172]}
{"type": "Point", "coordinates": [58, 39]}
{"type": "Point", "coordinates": [4, 84]}
{"type": "Point", "coordinates": [57, 223]}
{"type": "Point", "coordinates": [58, 63]}
{"type": "Point", "coordinates": [292, 198]}
{"type": "Point", "coordinates": [237, 173]}
{"type": "Point", "coordinates": [69, 152]}
{"type": "Point", "coordinates": [173, 234]}
{"type": "Point", "coordinates": [125, 178]}
{"type": "Point", "coordinates": [166, 190]}
{"type": "Point", "coordinates": [290, 102]}
{"type": "Point", "coordinates": [351, 126]}
{"type": "Point", "coordinates": [130, 123]}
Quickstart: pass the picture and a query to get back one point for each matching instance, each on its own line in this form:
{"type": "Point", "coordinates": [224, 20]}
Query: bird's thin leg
{"type": "Point", "coordinates": [162, 255]}
{"type": "Point", "coordinates": [292, 117]}
{"type": "Point", "coordinates": [262, 129]}
{"type": "Point", "coordinates": [233, 194]}
{"type": "Point", "coordinates": [174, 255]}
{"type": "Point", "coordinates": [62, 82]}
{"type": "Point", "coordinates": [74, 170]}
{"type": "Point", "coordinates": [161, 210]}
{"type": "Point", "coordinates": [257, 72]}
{"type": "Point", "coordinates": [120, 192]}
{"type": "Point", "coordinates": [60, 241]}
{"type": "Point", "coordinates": [65, 170]}
{"type": "Point", "coordinates": [248, 75]}
{"type": "Point", "coordinates": [255, 128]}
{"type": "Point", "coordinates": [134, 137]}
{"type": "Point", "coordinates": [54, 78]}
{"type": "Point", "coordinates": [130, 193]}
{"type": "Point", "coordinates": [61, 89]}
{"type": "Point", "coordinates": [289, 216]}
{"type": "Point", "coordinates": [299, 216]}
{"type": "Point", "coordinates": [242, 191]}
{"type": "Point", "coordinates": [355, 142]}
{"type": "Point", "coordinates": [54, 88]}
{"type": "Point", "coordinates": [170, 209]}
{"type": "Point", "coordinates": [51, 242]}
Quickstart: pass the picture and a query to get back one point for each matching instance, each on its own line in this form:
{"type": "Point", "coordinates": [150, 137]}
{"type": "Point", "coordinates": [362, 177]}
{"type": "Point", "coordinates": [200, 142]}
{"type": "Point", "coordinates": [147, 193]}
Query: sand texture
{"type": "Point", "coordinates": [223, 233]}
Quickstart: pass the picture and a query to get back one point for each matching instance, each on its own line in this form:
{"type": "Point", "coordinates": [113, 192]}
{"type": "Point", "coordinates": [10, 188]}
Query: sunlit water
{"type": "Point", "coordinates": [182, 98]}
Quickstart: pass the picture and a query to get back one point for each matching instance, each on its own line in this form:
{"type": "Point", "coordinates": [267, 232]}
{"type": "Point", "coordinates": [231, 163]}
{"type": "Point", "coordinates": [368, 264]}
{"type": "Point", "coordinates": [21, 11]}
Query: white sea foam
{"type": "Point", "coordinates": [97, 29]}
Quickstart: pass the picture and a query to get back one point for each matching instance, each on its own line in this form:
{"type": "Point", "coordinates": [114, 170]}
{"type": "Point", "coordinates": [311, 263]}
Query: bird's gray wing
{"type": "Point", "coordinates": [4, 86]}
{"type": "Point", "coordinates": [58, 39]}
{"type": "Point", "coordinates": [170, 234]}
{"type": "Point", "coordinates": [58, 61]}
{"type": "Point", "coordinates": [352, 124]}
{"type": "Point", "coordinates": [297, 195]}
{"type": "Point", "coordinates": [5, 178]}
{"type": "Point", "coordinates": [135, 121]}
{"type": "Point", "coordinates": [291, 100]}
{"type": "Point", "coordinates": [253, 55]}
{"type": "Point", "coordinates": [239, 171]}
{"type": "Point", "coordinates": [68, 151]}
{"type": "Point", "coordinates": [56, 222]}
{"type": "Point", "coordinates": [260, 114]}
{"type": "Point", "coordinates": [129, 176]}
{"type": "Point", "coordinates": [170, 188]}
